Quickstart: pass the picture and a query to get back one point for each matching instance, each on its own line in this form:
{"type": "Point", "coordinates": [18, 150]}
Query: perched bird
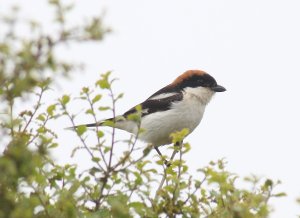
{"type": "Point", "coordinates": [178, 105]}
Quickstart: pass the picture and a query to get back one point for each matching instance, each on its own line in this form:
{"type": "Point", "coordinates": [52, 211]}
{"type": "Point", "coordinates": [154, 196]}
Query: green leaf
{"type": "Point", "coordinates": [138, 178]}
{"type": "Point", "coordinates": [50, 109]}
{"type": "Point", "coordinates": [179, 135]}
{"type": "Point", "coordinates": [96, 98]}
{"type": "Point", "coordinates": [89, 111]}
{"type": "Point", "coordinates": [85, 90]}
{"type": "Point", "coordinates": [41, 129]}
{"type": "Point", "coordinates": [103, 108]}
{"type": "Point", "coordinates": [53, 145]}
{"type": "Point", "coordinates": [147, 150]}
{"type": "Point", "coordinates": [41, 117]}
{"type": "Point", "coordinates": [136, 117]}
{"type": "Point", "coordinates": [120, 96]}
{"type": "Point", "coordinates": [197, 184]}
{"type": "Point", "coordinates": [81, 129]}
{"type": "Point", "coordinates": [103, 83]}
{"type": "Point", "coordinates": [100, 134]}
{"type": "Point", "coordinates": [104, 212]}
{"type": "Point", "coordinates": [96, 159]}
{"type": "Point", "coordinates": [137, 206]}
{"type": "Point", "coordinates": [186, 147]}
{"type": "Point", "coordinates": [160, 162]}
{"type": "Point", "coordinates": [281, 194]}
{"type": "Point", "coordinates": [268, 183]}
{"type": "Point", "coordinates": [74, 187]}
{"type": "Point", "coordinates": [65, 99]}
{"type": "Point", "coordinates": [94, 170]}
{"type": "Point", "coordinates": [108, 123]}
{"type": "Point", "coordinates": [107, 149]}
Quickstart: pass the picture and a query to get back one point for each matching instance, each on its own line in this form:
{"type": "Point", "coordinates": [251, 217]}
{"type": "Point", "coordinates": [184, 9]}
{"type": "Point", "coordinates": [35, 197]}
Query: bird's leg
{"type": "Point", "coordinates": [158, 151]}
{"type": "Point", "coordinates": [177, 144]}
{"type": "Point", "coordinates": [160, 154]}
{"type": "Point", "coordinates": [174, 153]}
{"type": "Point", "coordinates": [166, 162]}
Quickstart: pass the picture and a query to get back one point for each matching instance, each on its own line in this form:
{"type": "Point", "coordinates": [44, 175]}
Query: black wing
{"type": "Point", "coordinates": [153, 104]}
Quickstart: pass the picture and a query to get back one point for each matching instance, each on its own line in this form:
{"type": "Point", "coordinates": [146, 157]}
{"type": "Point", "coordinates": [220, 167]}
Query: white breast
{"type": "Point", "coordinates": [183, 114]}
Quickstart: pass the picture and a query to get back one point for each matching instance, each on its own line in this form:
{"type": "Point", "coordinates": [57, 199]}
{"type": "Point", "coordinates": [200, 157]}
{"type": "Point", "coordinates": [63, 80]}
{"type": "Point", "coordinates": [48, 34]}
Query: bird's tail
{"type": "Point", "coordinates": [100, 123]}
{"type": "Point", "coordinates": [93, 124]}
{"type": "Point", "coordinates": [108, 122]}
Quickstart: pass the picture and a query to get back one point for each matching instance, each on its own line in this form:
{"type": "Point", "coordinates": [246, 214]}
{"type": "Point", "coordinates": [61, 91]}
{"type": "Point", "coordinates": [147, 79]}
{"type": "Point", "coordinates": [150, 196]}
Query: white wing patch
{"type": "Point", "coordinates": [162, 96]}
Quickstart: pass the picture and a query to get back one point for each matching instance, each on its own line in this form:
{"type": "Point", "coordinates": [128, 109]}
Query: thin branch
{"type": "Point", "coordinates": [113, 128]}
{"type": "Point", "coordinates": [41, 201]}
{"type": "Point", "coordinates": [109, 170]}
{"type": "Point", "coordinates": [196, 189]}
{"type": "Point", "coordinates": [37, 106]}
{"type": "Point", "coordinates": [37, 134]}
{"type": "Point", "coordinates": [179, 173]}
{"type": "Point", "coordinates": [97, 129]}
{"type": "Point", "coordinates": [165, 175]}
{"type": "Point", "coordinates": [163, 179]}
{"type": "Point", "coordinates": [81, 139]}
{"type": "Point", "coordinates": [11, 106]}
{"type": "Point", "coordinates": [129, 153]}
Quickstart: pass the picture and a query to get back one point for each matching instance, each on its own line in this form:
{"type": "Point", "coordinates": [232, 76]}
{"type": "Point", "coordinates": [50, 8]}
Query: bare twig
{"type": "Point", "coordinates": [113, 128]}
{"type": "Point", "coordinates": [196, 189]}
{"type": "Point", "coordinates": [44, 204]}
{"type": "Point", "coordinates": [165, 172]}
{"type": "Point", "coordinates": [178, 175]}
{"type": "Point", "coordinates": [36, 107]}
{"type": "Point", "coordinates": [81, 139]}
{"type": "Point", "coordinates": [97, 128]}
{"type": "Point", "coordinates": [129, 153]}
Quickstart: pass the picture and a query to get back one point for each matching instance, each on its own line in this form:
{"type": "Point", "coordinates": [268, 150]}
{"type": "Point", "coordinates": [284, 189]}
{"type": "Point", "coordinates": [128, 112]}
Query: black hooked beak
{"type": "Point", "coordinates": [218, 88]}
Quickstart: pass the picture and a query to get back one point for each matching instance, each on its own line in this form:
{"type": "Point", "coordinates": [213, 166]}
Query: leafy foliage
{"type": "Point", "coordinates": [120, 183]}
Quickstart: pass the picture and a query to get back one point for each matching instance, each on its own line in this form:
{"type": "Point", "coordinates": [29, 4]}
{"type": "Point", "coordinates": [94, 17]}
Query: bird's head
{"type": "Point", "coordinates": [195, 79]}
{"type": "Point", "coordinates": [197, 83]}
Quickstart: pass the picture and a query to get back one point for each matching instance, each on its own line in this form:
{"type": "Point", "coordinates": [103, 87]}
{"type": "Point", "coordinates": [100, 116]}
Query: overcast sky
{"type": "Point", "coordinates": [250, 47]}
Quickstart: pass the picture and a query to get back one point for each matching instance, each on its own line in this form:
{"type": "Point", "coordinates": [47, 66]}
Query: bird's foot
{"type": "Point", "coordinates": [167, 163]}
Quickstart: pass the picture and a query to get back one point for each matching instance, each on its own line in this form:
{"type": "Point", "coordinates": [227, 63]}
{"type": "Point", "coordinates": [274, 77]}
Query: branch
{"type": "Point", "coordinates": [165, 172]}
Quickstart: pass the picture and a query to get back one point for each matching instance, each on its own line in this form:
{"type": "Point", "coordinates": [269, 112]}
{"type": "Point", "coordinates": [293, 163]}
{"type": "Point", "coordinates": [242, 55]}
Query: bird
{"type": "Point", "coordinates": [179, 105]}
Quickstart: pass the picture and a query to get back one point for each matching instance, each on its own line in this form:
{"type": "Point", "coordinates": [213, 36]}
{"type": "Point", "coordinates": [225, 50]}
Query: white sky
{"type": "Point", "coordinates": [250, 47]}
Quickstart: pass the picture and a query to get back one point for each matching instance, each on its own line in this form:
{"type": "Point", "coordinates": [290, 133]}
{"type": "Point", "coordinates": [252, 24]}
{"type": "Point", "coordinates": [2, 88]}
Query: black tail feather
{"type": "Point", "coordinates": [90, 124]}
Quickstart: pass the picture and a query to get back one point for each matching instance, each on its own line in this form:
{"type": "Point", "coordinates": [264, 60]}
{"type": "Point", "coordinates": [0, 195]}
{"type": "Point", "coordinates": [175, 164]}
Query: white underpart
{"type": "Point", "coordinates": [183, 114]}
